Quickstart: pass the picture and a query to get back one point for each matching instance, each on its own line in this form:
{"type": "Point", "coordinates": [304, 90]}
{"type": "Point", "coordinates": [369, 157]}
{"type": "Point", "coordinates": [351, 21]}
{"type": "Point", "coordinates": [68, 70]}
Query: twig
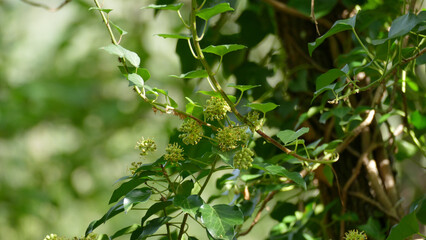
{"type": "Point", "coordinates": [374, 203]}
{"type": "Point", "coordinates": [289, 10]}
{"type": "Point", "coordinates": [50, 9]}
{"type": "Point", "coordinates": [313, 16]}
{"type": "Point", "coordinates": [259, 213]}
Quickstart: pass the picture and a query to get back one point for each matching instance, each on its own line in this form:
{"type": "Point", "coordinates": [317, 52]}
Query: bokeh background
{"type": "Point", "coordinates": [68, 120]}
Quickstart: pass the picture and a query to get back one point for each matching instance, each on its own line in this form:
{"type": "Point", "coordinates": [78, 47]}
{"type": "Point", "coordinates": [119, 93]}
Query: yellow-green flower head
{"type": "Point", "coordinates": [355, 235]}
{"type": "Point", "coordinates": [253, 117]}
{"type": "Point", "coordinates": [174, 153]}
{"type": "Point", "coordinates": [51, 236]}
{"type": "Point", "coordinates": [145, 146]}
{"type": "Point", "coordinates": [192, 132]}
{"type": "Point", "coordinates": [243, 158]}
{"type": "Point", "coordinates": [231, 137]}
{"type": "Point", "coordinates": [135, 166]}
{"type": "Point", "coordinates": [216, 108]}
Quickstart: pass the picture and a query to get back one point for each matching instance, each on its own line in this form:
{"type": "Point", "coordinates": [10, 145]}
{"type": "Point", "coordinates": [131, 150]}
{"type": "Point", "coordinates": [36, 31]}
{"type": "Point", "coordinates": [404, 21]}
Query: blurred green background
{"type": "Point", "coordinates": [68, 120]}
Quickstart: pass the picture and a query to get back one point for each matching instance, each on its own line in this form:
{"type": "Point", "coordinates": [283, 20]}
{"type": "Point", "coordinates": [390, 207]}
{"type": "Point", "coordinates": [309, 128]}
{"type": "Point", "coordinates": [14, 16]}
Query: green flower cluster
{"type": "Point", "coordinates": [192, 132]}
{"type": "Point", "coordinates": [243, 158]}
{"type": "Point", "coordinates": [135, 166]}
{"type": "Point", "coordinates": [231, 137]}
{"type": "Point", "coordinates": [146, 146]}
{"type": "Point", "coordinates": [216, 108]}
{"type": "Point", "coordinates": [53, 236]}
{"type": "Point", "coordinates": [253, 117]}
{"type": "Point", "coordinates": [174, 153]}
{"type": "Point", "coordinates": [355, 235]}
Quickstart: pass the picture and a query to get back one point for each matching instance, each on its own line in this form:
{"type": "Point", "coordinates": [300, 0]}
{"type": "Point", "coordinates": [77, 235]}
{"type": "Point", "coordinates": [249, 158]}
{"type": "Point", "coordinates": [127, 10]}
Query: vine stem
{"type": "Point", "coordinates": [104, 18]}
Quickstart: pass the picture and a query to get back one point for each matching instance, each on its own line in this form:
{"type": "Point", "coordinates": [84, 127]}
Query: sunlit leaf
{"type": "Point", "coordinates": [173, 7]}
{"type": "Point", "coordinates": [125, 188]}
{"type": "Point", "coordinates": [136, 196]}
{"type": "Point", "coordinates": [151, 227]}
{"type": "Point", "coordinates": [221, 50]}
{"type": "Point", "coordinates": [263, 107]}
{"type": "Point", "coordinates": [208, 13]}
{"type": "Point", "coordinates": [220, 220]}
{"type": "Point", "coordinates": [243, 88]}
{"type": "Point", "coordinates": [121, 52]}
{"type": "Point", "coordinates": [106, 10]}
{"type": "Point", "coordinates": [192, 74]}
{"type": "Point", "coordinates": [189, 204]}
{"type": "Point", "coordinates": [135, 80]}
{"type": "Point", "coordinates": [153, 209]}
{"type": "Point", "coordinates": [281, 171]}
{"type": "Point", "coordinates": [175, 36]}
{"type": "Point", "coordinates": [124, 231]}
{"type": "Point", "coordinates": [288, 136]}
{"type": "Point", "coordinates": [327, 78]}
{"type": "Point", "coordinates": [119, 29]}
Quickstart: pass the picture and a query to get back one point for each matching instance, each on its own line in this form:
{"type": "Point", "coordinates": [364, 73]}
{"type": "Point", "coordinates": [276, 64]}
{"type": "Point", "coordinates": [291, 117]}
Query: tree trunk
{"type": "Point", "coordinates": [365, 183]}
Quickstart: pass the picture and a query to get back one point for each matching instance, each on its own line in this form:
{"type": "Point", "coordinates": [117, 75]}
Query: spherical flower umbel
{"type": "Point", "coordinates": [253, 117]}
{"type": "Point", "coordinates": [231, 137]}
{"type": "Point", "coordinates": [145, 146]}
{"type": "Point", "coordinates": [192, 132]}
{"type": "Point", "coordinates": [135, 166]}
{"type": "Point", "coordinates": [243, 158]}
{"type": "Point", "coordinates": [216, 108]}
{"type": "Point", "coordinates": [355, 235]}
{"type": "Point", "coordinates": [174, 153]}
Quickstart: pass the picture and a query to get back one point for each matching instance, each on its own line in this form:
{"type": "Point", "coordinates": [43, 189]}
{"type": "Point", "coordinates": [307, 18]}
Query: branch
{"type": "Point", "coordinates": [374, 203]}
{"type": "Point", "coordinates": [50, 9]}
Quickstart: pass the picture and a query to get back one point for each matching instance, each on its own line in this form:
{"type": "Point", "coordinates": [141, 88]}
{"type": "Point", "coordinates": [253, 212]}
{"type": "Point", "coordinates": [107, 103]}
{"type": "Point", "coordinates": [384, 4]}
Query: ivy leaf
{"type": "Point", "coordinates": [124, 231]}
{"type": "Point", "coordinates": [114, 210]}
{"type": "Point", "coordinates": [405, 228]}
{"type": "Point", "coordinates": [189, 204]}
{"type": "Point", "coordinates": [156, 207]}
{"type": "Point", "coordinates": [175, 36]}
{"type": "Point", "coordinates": [221, 219]}
{"type": "Point", "coordinates": [221, 50]}
{"type": "Point", "coordinates": [263, 107]}
{"type": "Point", "coordinates": [243, 88]}
{"type": "Point", "coordinates": [125, 188]}
{"type": "Point", "coordinates": [327, 78]}
{"type": "Point", "coordinates": [338, 26]}
{"type": "Point", "coordinates": [288, 136]}
{"type": "Point", "coordinates": [135, 80]}
{"type": "Point", "coordinates": [208, 13]}
{"type": "Point", "coordinates": [281, 171]}
{"type": "Point", "coordinates": [323, 89]}
{"type": "Point", "coordinates": [119, 29]}
{"type": "Point", "coordinates": [121, 52]}
{"type": "Point", "coordinates": [418, 120]}
{"type": "Point", "coordinates": [192, 74]}
{"type": "Point", "coordinates": [136, 196]}
{"type": "Point", "coordinates": [150, 228]}
{"type": "Point", "coordinates": [106, 10]}
{"type": "Point", "coordinates": [372, 228]}
{"type": "Point", "coordinates": [173, 7]}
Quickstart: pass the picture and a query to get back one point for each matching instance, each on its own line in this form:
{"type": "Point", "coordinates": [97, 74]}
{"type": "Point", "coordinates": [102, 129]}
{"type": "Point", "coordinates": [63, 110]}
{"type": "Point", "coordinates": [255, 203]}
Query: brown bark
{"type": "Point", "coordinates": [363, 170]}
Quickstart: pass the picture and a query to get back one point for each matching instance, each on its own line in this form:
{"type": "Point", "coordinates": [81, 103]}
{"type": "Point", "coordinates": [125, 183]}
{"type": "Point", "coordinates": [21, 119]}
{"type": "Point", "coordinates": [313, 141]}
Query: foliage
{"type": "Point", "coordinates": [227, 132]}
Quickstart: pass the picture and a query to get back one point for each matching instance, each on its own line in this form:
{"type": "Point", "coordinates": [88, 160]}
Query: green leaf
{"type": "Point", "coordinates": [156, 207]}
{"type": "Point", "coordinates": [220, 220]}
{"type": "Point", "coordinates": [221, 50]}
{"type": "Point", "coordinates": [124, 231]}
{"type": "Point", "coordinates": [185, 188]}
{"type": "Point", "coordinates": [106, 10]}
{"type": "Point", "coordinates": [192, 74]}
{"type": "Point", "coordinates": [281, 171]}
{"type": "Point", "coordinates": [173, 7]}
{"type": "Point", "coordinates": [243, 88]}
{"type": "Point", "coordinates": [136, 196]}
{"type": "Point", "coordinates": [338, 26]}
{"type": "Point", "coordinates": [263, 107]}
{"type": "Point", "coordinates": [135, 80]}
{"type": "Point", "coordinates": [208, 13]}
{"type": "Point", "coordinates": [189, 204]}
{"type": "Point", "coordinates": [125, 188]}
{"type": "Point", "coordinates": [288, 136]}
{"type": "Point", "coordinates": [401, 26]}
{"type": "Point", "coordinates": [372, 229]}
{"type": "Point", "coordinates": [150, 228]}
{"type": "Point", "coordinates": [175, 36]}
{"type": "Point", "coordinates": [114, 210]}
{"type": "Point", "coordinates": [121, 52]}
{"type": "Point", "coordinates": [323, 89]}
{"type": "Point", "coordinates": [119, 29]}
{"type": "Point", "coordinates": [405, 228]}
{"type": "Point", "coordinates": [327, 78]}
{"type": "Point", "coordinates": [418, 120]}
